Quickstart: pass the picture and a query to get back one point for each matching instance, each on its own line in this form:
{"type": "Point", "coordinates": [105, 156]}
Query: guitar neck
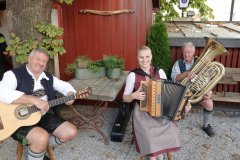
{"type": "Point", "coordinates": [62, 100]}
{"type": "Point", "coordinates": [53, 103]}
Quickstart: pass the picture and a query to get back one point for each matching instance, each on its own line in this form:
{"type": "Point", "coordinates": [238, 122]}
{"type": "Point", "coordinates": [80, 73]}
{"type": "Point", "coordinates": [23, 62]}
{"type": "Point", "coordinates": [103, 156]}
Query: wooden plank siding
{"type": "Point", "coordinates": [232, 61]}
{"type": "Point", "coordinates": [96, 35]}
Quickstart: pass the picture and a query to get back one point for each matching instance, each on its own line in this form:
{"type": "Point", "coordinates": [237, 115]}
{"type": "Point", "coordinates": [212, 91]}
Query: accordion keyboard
{"type": "Point", "coordinates": [152, 102]}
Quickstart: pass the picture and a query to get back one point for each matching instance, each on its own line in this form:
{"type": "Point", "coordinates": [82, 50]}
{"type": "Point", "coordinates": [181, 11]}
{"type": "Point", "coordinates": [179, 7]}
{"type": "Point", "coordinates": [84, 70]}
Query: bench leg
{"type": "Point", "coordinates": [141, 157]}
{"type": "Point", "coordinates": [169, 156]}
{"type": "Point", "coordinates": [49, 150]}
{"type": "Point", "coordinates": [19, 151]}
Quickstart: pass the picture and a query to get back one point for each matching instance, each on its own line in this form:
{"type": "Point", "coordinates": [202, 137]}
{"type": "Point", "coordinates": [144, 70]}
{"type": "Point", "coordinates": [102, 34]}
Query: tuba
{"type": "Point", "coordinates": [208, 73]}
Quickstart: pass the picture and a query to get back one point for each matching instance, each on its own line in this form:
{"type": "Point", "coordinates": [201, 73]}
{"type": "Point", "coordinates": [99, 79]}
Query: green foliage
{"type": "Point", "coordinates": [168, 11]}
{"type": "Point", "coordinates": [2, 39]}
{"type": "Point", "coordinates": [66, 1]}
{"type": "Point", "coordinates": [158, 42]}
{"type": "Point", "coordinates": [70, 68]}
{"type": "Point", "coordinates": [95, 66]}
{"type": "Point", "coordinates": [111, 62]}
{"type": "Point", "coordinates": [83, 62]}
{"type": "Point", "coordinates": [50, 42]}
{"type": "Point", "coordinates": [80, 62]}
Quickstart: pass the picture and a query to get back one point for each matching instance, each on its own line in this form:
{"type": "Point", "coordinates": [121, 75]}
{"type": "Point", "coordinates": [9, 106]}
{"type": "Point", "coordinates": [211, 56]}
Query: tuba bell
{"type": "Point", "coordinates": [208, 73]}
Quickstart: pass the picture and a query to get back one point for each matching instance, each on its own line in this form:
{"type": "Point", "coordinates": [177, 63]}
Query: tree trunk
{"type": "Point", "coordinates": [25, 14]}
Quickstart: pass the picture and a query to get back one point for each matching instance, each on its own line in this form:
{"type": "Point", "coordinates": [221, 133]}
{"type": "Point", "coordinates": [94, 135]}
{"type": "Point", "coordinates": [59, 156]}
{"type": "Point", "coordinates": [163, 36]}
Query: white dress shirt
{"type": "Point", "coordinates": [176, 69]}
{"type": "Point", "coordinates": [8, 85]}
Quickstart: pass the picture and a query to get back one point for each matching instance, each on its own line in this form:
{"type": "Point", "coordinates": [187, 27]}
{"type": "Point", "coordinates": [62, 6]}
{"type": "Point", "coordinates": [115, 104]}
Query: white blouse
{"type": "Point", "coordinates": [131, 80]}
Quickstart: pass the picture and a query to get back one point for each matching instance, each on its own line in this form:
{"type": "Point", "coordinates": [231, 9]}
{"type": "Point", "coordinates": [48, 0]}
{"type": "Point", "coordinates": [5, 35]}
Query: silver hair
{"type": "Point", "coordinates": [37, 50]}
{"type": "Point", "coordinates": [188, 44]}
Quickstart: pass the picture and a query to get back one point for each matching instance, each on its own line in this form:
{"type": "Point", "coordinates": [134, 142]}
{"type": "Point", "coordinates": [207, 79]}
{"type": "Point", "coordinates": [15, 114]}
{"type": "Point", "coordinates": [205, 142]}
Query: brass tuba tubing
{"type": "Point", "coordinates": [208, 73]}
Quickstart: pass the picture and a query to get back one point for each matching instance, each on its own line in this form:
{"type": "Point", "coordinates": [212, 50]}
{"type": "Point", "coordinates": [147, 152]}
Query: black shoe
{"type": "Point", "coordinates": [208, 130]}
{"type": "Point", "coordinates": [46, 158]}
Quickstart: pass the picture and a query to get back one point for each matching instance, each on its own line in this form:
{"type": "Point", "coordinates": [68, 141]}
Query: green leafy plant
{"type": "Point", "coordinates": [95, 66]}
{"type": "Point", "coordinates": [66, 1]}
{"type": "Point", "coordinates": [80, 62]}
{"type": "Point", "coordinates": [111, 62]}
{"type": "Point", "coordinates": [2, 39]}
{"type": "Point", "coordinates": [70, 68]}
{"type": "Point", "coordinates": [168, 10]}
{"type": "Point", "coordinates": [83, 62]}
{"type": "Point", "coordinates": [158, 42]}
{"type": "Point", "coordinates": [50, 42]}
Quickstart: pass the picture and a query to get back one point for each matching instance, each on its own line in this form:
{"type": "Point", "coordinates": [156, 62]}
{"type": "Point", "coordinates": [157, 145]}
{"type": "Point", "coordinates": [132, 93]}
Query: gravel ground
{"type": "Point", "coordinates": [196, 145]}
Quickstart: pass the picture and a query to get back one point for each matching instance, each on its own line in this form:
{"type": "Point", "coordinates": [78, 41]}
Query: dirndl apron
{"type": "Point", "coordinates": [154, 134]}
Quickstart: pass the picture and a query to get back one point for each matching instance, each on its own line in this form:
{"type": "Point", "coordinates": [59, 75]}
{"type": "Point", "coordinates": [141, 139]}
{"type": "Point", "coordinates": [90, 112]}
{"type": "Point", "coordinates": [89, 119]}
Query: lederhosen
{"type": "Point", "coordinates": [25, 83]}
{"type": "Point", "coordinates": [154, 136]}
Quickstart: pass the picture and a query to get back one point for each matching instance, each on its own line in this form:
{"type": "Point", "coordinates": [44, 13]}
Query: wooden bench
{"type": "Point", "coordinates": [232, 77]}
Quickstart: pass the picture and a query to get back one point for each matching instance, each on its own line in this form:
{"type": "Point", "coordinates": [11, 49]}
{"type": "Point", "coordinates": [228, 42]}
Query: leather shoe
{"type": "Point", "coordinates": [208, 130]}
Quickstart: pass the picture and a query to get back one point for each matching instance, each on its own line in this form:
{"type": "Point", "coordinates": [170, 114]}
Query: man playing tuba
{"type": "Point", "coordinates": [181, 70]}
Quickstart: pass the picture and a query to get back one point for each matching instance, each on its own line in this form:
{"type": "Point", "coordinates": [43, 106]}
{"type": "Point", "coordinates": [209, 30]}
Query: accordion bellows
{"type": "Point", "coordinates": [164, 98]}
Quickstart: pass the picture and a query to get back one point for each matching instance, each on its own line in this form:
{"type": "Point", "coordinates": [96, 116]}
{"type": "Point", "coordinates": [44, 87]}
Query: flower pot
{"type": "Point", "coordinates": [114, 73]}
{"type": "Point", "coordinates": [87, 74]}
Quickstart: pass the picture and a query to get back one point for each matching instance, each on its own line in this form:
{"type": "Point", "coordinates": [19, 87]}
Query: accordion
{"type": "Point", "coordinates": [164, 98]}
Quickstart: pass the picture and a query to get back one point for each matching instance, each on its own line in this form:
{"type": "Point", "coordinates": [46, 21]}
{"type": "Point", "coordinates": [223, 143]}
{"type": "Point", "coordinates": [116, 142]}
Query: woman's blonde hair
{"type": "Point", "coordinates": [144, 48]}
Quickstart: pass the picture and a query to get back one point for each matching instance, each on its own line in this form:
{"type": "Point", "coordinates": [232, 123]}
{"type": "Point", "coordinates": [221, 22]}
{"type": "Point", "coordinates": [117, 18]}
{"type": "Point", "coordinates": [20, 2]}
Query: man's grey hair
{"type": "Point", "coordinates": [37, 50]}
{"type": "Point", "coordinates": [188, 44]}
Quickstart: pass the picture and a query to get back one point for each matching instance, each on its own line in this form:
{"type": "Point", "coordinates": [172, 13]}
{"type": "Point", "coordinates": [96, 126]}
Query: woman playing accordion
{"type": "Point", "coordinates": [153, 136]}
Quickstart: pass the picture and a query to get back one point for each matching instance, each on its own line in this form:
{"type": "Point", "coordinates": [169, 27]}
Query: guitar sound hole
{"type": "Point", "coordinates": [21, 112]}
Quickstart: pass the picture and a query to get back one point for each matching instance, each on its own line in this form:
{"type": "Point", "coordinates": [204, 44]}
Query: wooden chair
{"type": "Point", "coordinates": [20, 150]}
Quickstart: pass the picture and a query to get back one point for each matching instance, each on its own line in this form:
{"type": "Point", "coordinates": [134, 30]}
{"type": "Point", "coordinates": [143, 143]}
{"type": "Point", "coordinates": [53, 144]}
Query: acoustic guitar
{"type": "Point", "coordinates": [13, 116]}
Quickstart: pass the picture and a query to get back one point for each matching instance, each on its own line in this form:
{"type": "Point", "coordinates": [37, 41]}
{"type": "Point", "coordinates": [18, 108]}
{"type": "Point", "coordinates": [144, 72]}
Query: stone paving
{"type": "Point", "coordinates": [196, 145]}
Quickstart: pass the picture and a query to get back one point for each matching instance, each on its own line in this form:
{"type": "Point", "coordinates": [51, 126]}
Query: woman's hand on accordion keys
{"type": "Point", "coordinates": [188, 107]}
{"type": "Point", "coordinates": [139, 95]}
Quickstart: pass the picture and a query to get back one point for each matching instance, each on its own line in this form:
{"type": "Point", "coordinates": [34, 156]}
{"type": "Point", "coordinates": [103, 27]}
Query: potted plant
{"type": "Point", "coordinates": [85, 68]}
{"type": "Point", "coordinates": [114, 66]}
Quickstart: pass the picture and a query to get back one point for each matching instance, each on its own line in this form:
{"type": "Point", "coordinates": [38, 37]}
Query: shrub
{"type": "Point", "coordinates": [158, 42]}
